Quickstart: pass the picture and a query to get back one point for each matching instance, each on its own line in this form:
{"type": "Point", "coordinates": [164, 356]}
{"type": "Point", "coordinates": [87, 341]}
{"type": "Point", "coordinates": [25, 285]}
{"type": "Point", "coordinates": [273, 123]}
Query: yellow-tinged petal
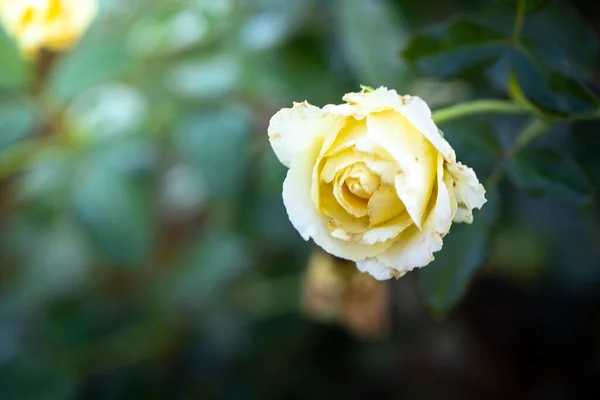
{"type": "Point", "coordinates": [294, 130]}
{"type": "Point", "coordinates": [414, 248]}
{"type": "Point", "coordinates": [415, 156]}
{"type": "Point", "coordinates": [305, 217]}
{"type": "Point", "coordinates": [384, 205]}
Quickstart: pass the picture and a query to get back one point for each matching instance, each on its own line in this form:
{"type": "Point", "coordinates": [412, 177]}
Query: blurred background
{"type": "Point", "coordinates": [145, 251]}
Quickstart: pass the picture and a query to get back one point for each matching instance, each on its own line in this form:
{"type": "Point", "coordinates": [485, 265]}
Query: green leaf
{"type": "Point", "coordinates": [444, 282]}
{"type": "Point", "coordinates": [14, 70]}
{"type": "Point", "coordinates": [117, 214]}
{"type": "Point", "coordinates": [89, 65]}
{"type": "Point", "coordinates": [207, 266]}
{"type": "Point", "coordinates": [543, 171]}
{"type": "Point", "coordinates": [458, 47]}
{"type": "Point", "coordinates": [17, 119]}
{"type": "Point", "coordinates": [550, 74]}
{"type": "Point", "coordinates": [550, 91]}
{"type": "Point", "coordinates": [216, 143]}
{"type": "Point", "coordinates": [475, 143]}
{"type": "Point", "coordinates": [370, 35]}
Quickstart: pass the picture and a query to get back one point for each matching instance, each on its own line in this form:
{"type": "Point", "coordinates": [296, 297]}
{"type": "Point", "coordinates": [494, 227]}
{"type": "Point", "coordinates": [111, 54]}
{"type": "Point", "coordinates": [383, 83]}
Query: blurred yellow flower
{"type": "Point", "coordinates": [373, 180]}
{"type": "Point", "coordinates": [55, 25]}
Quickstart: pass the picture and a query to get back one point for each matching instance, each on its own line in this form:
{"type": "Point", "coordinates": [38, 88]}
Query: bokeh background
{"type": "Point", "coordinates": [145, 251]}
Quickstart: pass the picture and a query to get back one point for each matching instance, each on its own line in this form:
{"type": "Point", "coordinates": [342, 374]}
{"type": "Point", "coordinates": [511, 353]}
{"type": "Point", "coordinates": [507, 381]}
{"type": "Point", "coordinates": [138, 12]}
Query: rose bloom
{"type": "Point", "coordinates": [51, 24]}
{"type": "Point", "coordinates": [372, 180]}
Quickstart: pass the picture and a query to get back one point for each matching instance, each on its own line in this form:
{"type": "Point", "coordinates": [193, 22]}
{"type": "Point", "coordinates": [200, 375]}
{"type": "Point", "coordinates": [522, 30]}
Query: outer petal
{"type": "Point", "coordinates": [419, 115]}
{"type": "Point", "coordinates": [305, 217]}
{"type": "Point", "coordinates": [412, 107]}
{"type": "Point", "coordinates": [293, 130]}
{"type": "Point", "coordinates": [415, 156]}
{"type": "Point", "coordinates": [415, 248]}
{"type": "Point", "coordinates": [468, 191]}
{"type": "Point", "coordinates": [374, 268]}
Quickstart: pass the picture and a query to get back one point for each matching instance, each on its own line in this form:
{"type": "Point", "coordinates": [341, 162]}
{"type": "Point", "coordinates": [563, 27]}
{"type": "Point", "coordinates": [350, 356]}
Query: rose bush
{"type": "Point", "coordinates": [52, 24]}
{"type": "Point", "coordinates": [372, 180]}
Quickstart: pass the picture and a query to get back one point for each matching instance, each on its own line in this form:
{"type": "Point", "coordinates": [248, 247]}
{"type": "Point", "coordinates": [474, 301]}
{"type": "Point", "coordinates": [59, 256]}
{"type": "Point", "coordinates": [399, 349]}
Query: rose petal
{"type": "Point", "coordinates": [417, 112]}
{"type": "Point", "coordinates": [468, 191]}
{"type": "Point", "coordinates": [374, 268]}
{"type": "Point", "coordinates": [414, 248]}
{"type": "Point", "coordinates": [415, 156]}
{"type": "Point", "coordinates": [305, 217]}
{"type": "Point", "coordinates": [293, 130]}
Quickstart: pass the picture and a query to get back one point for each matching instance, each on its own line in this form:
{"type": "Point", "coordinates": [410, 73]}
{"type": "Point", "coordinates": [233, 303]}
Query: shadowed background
{"type": "Point", "coordinates": [145, 251]}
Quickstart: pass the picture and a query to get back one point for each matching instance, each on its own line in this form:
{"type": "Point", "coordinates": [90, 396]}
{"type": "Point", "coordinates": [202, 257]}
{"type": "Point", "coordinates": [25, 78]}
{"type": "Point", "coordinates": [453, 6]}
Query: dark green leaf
{"type": "Point", "coordinates": [549, 172]}
{"type": "Point", "coordinates": [551, 74]}
{"type": "Point", "coordinates": [551, 91]}
{"type": "Point", "coordinates": [445, 281]}
{"type": "Point", "coordinates": [460, 46]}
{"type": "Point", "coordinates": [475, 143]}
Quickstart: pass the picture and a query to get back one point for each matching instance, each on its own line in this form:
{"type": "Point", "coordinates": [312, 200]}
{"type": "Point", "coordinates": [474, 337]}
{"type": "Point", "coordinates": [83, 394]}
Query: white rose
{"type": "Point", "coordinates": [51, 24]}
{"type": "Point", "coordinates": [372, 180]}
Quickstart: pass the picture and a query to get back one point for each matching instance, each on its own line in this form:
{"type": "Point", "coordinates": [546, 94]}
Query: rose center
{"type": "Point", "coordinates": [362, 182]}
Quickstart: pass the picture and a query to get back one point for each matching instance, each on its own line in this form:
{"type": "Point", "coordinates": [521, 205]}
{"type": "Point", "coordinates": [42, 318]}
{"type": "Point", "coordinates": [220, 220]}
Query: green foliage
{"type": "Point", "coordinates": [543, 171]}
{"type": "Point", "coordinates": [444, 282]}
{"type": "Point", "coordinates": [551, 74]}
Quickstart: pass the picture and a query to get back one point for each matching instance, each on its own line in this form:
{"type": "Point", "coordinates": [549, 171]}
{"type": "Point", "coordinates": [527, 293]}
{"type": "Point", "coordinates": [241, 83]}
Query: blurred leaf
{"type": "Point", "coordinates": [17, 119]}
{"type": "Point", "coordinates": [14, 70]}
{"type": "Point", "coordinates": [444, 282]}
{"type": "Point", "coordinates": [36, 378]}
{"type": "Point", "coordinates": [475, 142]}
{"type": "Point", "coordinates": [459, 46]}
{"type": "Point", "coordinates": [216, 143]}
{"type": "Point", "coordinates": [206, 78]}
{"type": "Point", "coordinates": [88, 66]}
{"type": "Point", "coordinates": [209, 264]}
{"type": "Point", "coordinates": [46, 184]}
{"type": "Point", "coordinates": [549, 172]}
{"type": "Point", "coordinates": [58, 267]}
{"type": "Point", "coordinates": [371, 36]}
{"type": "Point", "coordinates": [117, 214]}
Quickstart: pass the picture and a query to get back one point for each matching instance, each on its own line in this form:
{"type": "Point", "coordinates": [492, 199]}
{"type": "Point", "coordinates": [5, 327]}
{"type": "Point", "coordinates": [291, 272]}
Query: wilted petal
{"type": "Point", "coordinates": [468, 191]}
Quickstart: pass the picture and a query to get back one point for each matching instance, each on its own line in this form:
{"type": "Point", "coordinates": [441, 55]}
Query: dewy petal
{"type": "Point", "coordinates": [305, 217]}
{"type": "Point", "coordinates": [468, 191]}
{"type": "Point", "coordinates": [293, 130]}
{"type": "Point", "coordinates": [414, 248]}
{"type": "Point", "coordinates": [415, 156]}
